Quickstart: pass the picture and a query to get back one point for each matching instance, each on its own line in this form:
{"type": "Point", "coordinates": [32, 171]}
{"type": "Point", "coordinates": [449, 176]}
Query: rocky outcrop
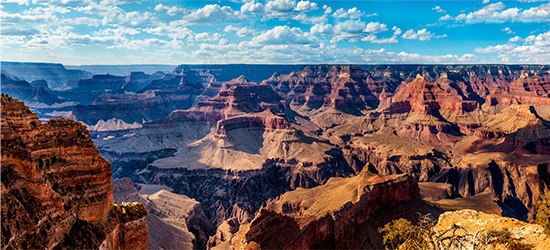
{"type": "Point", "coordinates": [263, 120]}
{"type": "Point", "coordinates": [342, 214]}
{"type": "Point", "coordinates": [475, 226]}
{"type": "Point", "coordinates": [176, 221]}
{"type": "Point", "coordinates": [56, 188]}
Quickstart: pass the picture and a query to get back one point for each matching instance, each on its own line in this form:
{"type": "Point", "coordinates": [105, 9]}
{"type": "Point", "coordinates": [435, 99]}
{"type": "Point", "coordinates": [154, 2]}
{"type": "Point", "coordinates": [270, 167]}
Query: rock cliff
{"type": "Point", "coordinates": [344, 213]}
{"type": "Point", "coordinates": [56, 188]}
{"type": "Point", "coordinates": [175, 221]}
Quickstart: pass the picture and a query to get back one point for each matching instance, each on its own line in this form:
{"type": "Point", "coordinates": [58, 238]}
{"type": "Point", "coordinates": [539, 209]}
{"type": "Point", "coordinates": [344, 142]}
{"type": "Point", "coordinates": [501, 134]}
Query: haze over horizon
{"type": "Point", "coordinates": [125, 32]}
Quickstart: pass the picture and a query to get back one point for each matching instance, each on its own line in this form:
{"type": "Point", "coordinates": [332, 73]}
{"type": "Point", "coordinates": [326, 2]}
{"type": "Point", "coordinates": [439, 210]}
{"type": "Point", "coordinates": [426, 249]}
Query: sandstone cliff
{"type": "Point", "coordinates": [342, 214]}
{"type": "Point", "coordinates": [56, 188]}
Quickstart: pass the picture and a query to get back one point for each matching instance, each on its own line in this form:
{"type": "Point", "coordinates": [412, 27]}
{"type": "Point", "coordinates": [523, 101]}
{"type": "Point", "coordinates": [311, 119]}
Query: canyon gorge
{"type": "Point", "coordinates": [269, 156]}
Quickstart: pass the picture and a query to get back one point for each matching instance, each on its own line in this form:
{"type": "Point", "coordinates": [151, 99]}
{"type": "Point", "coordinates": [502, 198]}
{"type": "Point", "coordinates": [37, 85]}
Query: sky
{"type": "Point", "coordinates": [84, 32]}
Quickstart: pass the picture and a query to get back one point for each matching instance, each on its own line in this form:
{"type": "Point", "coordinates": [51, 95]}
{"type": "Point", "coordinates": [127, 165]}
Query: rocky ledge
{"type": "Point", "coordinates": [56, 188]}
{"type": "Point", "coordinates": [342, 214]}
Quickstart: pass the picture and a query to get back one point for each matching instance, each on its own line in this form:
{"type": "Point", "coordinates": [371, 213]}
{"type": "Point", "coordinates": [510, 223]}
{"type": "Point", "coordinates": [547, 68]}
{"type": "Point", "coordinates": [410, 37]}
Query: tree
{"type": "Point", "coordinates": [543, 213]}
{"type": "Point", "coordinates": [403, 234]}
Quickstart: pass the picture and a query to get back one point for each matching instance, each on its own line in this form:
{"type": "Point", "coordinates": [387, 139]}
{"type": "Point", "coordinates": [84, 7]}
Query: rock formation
{"type": "Point", "coordinates": [344, 213]}
{"type": "Point", "coordinates": [56, 188]}
{"type": "Point", "coordinates": [174, 221]}
{"type": "Point", "coordinates": [472, 222]}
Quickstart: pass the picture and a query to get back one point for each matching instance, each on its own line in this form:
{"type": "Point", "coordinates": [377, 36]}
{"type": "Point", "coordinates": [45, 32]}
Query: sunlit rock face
{"type": "Point", "coordinates": [344, 213]}
{"type": "Point", "coordinates": [56, 188]}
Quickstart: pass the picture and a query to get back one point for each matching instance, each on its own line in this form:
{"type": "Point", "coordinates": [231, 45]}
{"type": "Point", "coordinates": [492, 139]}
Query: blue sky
{"type": "Point", "coordinates": [78, 32]}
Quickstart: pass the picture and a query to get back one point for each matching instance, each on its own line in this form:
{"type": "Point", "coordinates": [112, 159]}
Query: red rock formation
{"type": "Point", "coordinates": [342, 214]}
{"type": "Point", "coordinates": [55, 186]}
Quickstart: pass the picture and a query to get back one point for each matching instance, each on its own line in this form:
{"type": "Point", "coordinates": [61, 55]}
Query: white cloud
{"type": "Point", "coordinates": [284, 35]}
{"type": "Point", "coordinates": [508, 30]}
{"type": "Point", "coordinates": [373, 39]}
{"type": "Point", "coordinates": [485, 1]}
{"type": "Point", "coordinates": [20, 2]}
{"type": "Point", "coordinates": [171, 11]}
{"type": "Point", "coordinates": [213, 13]}
{"type": "Point", "coordinates": [207, 37]}
{"type": "Point", "coordinates": [446, 17]}
{"type": "Point", "coordinates": [303, 18]}
{"type": "Point", "coordinates": [252, 7]}
{"type": "Point", "coordinates": [306, 6]}
{"type": "Point", "coordinates": [376, 27]}
{"type": "Point", "coordinates": [352, 13]}
{"type": "Point", "coordinates": [421, 35]}
{"type": "Point", "coordinates": [532, 49]}
{"type": "Point", "coordinates": [327, 9]}
{"type": "Point", "coordinates": [241, 32]}
{"type": "Point", "coordinates": [279, 8]}
{"type": "Point", "coordinates": [438, 9]}
{"type": "Point", "coordinates": [350, 27]}
{"type": "Point", "coordinates": [174, 31]}
{"type": "Point", "coordinates": [396, 31]}
{"type": "Point", "coordinates": [497, 13]}
{"type": "Point", "coordinates": [514, 39]}
{"type": "Point", "coordinates": [321, 28]}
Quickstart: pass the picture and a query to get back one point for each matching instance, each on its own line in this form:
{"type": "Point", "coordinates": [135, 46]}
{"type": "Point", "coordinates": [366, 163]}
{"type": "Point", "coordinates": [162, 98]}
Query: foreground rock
{"type": "Point", "coordinates": [56, 188]}
{"type": "Point", "coordinates": [342, 214]}
{"type": "Point", "coordinates": [470, 222]}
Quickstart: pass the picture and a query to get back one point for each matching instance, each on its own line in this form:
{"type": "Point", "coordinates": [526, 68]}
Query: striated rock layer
{"type": "Point", "coordinates": [342, 214]}
{"type": "Point", "coordinates": [56, 188]}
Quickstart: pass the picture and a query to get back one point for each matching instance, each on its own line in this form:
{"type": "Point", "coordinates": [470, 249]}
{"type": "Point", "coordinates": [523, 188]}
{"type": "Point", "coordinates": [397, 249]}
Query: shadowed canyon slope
{"type": "Point", "coordinates": [56, 188]}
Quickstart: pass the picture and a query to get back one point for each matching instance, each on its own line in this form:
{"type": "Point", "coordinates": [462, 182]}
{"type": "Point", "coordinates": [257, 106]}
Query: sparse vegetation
{"type": "Point", "coordinates": [542, 216]}
{"type": "Point", "coordinates": [403, 234]}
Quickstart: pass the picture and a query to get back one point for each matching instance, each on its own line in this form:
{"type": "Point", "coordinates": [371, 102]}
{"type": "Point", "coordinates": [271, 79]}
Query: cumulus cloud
{"type": "Point", "coordinates": [438, 9]}
{"type": "Point", "coordinates": [306, 6]}
{"type": "Point", "coordinates": [213, 13]}
{"type": "Point", "coordinates": [446, 17]}
{"type": "Point", "coordinates": [396, 31]}
{"type": "Point", "coordinates": [279, 8]}
{"type": "Point", "coordinates": [498, 13]}
{"type": "Point", "coordinates": [20, 2]}
{"type": "Point", "coordinates": [284, 35]}
{"type": "Point", "coordinates": [421, 35]}
{"type": "Point", "coordinates": [252, 7]}
{"type": "Point", "coordinates": [241, 32]}
{"type": "Point", "coordinates": [373, 39]}
{"type": "Point", "coordinates": [170, 10]}
{"type": "Point", "coordinates": [508, 30]}
{"type": "Point", "coordinates": [327, 9]}
{"type": "Point", "coordinates": [352, 13]}
{"type": "Point", "coordinates": [376, 27]}
{"type": "Point", "coordinates": [531, 49]}
{"type": "Point", "coordinates": [322, 28]}
{"type": "Point", "coordinates": [514, 39]}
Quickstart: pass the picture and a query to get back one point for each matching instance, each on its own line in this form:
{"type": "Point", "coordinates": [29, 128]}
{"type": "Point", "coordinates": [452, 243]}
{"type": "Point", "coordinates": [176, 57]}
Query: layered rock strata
{"type": "Point", "coordinates": [56, 188]}
{"type": "Point", "coordinates": [344, 213]}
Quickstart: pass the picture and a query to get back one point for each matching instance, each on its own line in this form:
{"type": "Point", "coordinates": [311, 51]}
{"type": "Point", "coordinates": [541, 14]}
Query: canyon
{"type": "Point", "coordinates": [244, 147]}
